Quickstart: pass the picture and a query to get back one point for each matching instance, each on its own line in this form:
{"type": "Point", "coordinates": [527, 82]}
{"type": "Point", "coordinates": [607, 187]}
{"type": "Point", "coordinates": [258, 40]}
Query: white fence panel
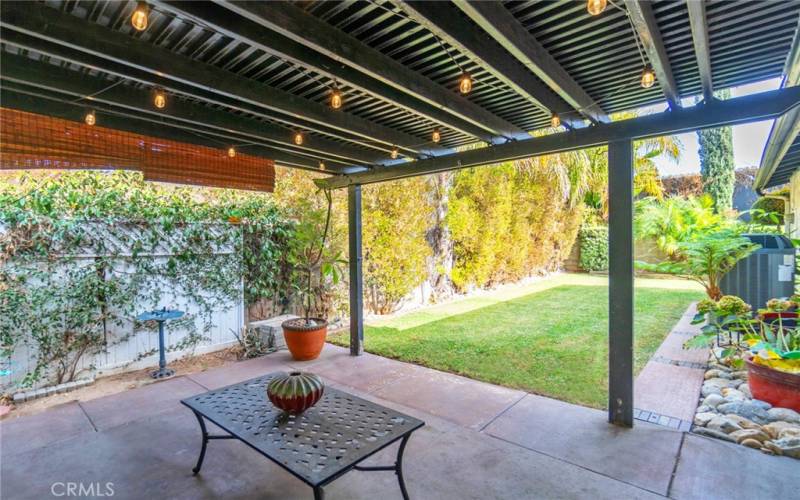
{"type": "Point", "coordinates": [124, 346]}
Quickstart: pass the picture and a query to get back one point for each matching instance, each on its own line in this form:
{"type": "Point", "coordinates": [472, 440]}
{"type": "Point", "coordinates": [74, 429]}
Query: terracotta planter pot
{"type": "Point", "coordinates": [305, 342]}
{"type": "Point", "coordinates": [295, 392]}
{"type": "Point", "coordinates": [775, 387]}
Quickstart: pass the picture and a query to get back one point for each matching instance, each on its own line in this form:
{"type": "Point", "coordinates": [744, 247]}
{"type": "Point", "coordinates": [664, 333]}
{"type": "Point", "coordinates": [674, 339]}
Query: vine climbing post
{"type": "Point", "coordinates": [356, 275]}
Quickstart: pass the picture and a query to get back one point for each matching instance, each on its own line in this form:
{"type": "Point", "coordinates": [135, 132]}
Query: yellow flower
{"type": "Point", "coordinates": [768, 354]}
{"type": "Point", "coordinates": [784, 365]}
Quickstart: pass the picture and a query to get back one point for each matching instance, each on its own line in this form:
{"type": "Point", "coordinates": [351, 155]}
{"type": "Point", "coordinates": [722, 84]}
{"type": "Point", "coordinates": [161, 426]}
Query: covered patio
{"type": "Point", "coordinates": [373, 91]}
{"type": "Point", "coordinates": [480, 441]}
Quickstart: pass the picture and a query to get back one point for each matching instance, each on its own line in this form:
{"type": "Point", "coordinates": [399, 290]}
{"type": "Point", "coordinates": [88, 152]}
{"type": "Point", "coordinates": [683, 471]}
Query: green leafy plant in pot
{"type": "Point", "coordinates": [768, 347]}
{"type": "Point", "coordinates": [314, 268]}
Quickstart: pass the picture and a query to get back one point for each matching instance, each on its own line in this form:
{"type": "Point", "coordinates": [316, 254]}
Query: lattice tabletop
{"type": "Point", "coordinates": [317, 445]}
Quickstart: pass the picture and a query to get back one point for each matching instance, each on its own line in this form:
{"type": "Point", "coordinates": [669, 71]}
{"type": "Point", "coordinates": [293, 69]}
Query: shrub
{"type": "Point", "coordinates": [396, 218]}
{"type": "Point", "coordinates": [676, 220]}
{"type": "Point", "coordinates": [594, 248]}
{"type": "Point", "coordinates": [769, 211]}
{"type": "Point", "coordinates": [510, 221]}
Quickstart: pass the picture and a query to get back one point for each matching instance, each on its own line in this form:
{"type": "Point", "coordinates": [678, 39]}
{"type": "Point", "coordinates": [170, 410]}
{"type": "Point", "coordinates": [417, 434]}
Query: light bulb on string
{"type": "Point", "coordinates": [555, 120]}
{"type": "Point", "coordinates": [139, 17]}
{"type": "Point", "coordinates": [465, 83]}
{"type": "Point", "coordinates": [231, 152]}
{"type": "Point", "coordinates": [394, 153]}
{"type": "Point", "coordinates": [298, 138]}
{"type": "Point", "coordinates": [322, 165]}
{"type": "Point", "coordinates": [90, 118]}
{"type": "Point", "coordinates": [436, 136]}
{"type": "Point", "coordinates": [596, 7]}
{"type": "Point", "coordinates": [648, 77]}
{"type": "Point", "coordinates": [160, 100]}
{"type": "Point", "coordinates": [336, 98]}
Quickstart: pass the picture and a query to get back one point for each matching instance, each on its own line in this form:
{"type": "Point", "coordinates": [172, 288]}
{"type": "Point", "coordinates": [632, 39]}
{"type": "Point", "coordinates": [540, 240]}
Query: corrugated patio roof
{"type": "Point", "coordinates": [781, 157]}
{"type": "Point", "coordinates": [747, 41]}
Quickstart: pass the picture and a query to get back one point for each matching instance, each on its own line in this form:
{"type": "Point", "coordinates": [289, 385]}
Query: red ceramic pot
{"type": "Point", "coordinates": [295, 392]}
{"type": "Point", "coordinates": [777, 388]}
{"type": "Point", "coordinates": [305, 342]}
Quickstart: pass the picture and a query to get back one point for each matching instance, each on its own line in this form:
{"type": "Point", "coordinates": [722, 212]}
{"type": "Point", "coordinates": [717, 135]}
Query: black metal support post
{"type": "Point", "coordinates": [620, 283]}
{"type": "Point", "coordinates": [356, 276]}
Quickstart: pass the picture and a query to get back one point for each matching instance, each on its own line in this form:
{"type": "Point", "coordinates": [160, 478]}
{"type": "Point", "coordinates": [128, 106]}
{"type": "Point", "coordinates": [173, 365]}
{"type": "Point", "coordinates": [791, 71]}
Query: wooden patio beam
{"type": "Point", "coordinates": [503, 27]}
{"type": "Point", "coordinates": [179, 72]}
{"type": "Point", "coordinates": [756, 107]}
{"type": "Point", "coordinates": [44, 105]}
{"type": "Point", "coordinates": [644, 21]}
{"type": "Point", "coordinates": [443, 22]}
{"type": "Point", "coordinates": [21, 69]}
{"type": "Point", "coordinates": [702, 51]}
{"type": "Point", "coordinates": [304, 39]}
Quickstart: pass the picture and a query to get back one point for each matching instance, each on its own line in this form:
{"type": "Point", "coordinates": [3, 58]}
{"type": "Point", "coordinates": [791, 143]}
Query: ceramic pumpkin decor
{"type": "Point", "coordinates": [295, 392]}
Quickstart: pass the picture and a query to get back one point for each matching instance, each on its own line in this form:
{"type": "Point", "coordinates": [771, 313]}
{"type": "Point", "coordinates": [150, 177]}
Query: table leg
{"type": "Point", "coordinates": [205, 443]}
{"type": "Point", "coordinates": [399, 466]}
{"type": "Point", "coordinates": [319, 493]}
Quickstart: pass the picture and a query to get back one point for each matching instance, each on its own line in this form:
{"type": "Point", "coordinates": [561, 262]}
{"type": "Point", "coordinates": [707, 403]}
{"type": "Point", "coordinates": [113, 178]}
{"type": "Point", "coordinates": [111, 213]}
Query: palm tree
{"type": "Point", "coordinates": [646, 180]}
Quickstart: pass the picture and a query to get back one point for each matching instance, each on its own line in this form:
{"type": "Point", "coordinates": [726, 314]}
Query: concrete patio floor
{"type": "Point", "coordinates": [481, 441]}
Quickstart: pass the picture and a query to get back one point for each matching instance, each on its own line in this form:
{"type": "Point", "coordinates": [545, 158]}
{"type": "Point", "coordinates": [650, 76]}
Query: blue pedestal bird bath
{"type": "Point", "coordinates": [161, 315]}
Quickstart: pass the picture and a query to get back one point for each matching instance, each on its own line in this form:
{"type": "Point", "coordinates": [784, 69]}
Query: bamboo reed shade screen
{"type": "Point", "coordinates": [33, 141]}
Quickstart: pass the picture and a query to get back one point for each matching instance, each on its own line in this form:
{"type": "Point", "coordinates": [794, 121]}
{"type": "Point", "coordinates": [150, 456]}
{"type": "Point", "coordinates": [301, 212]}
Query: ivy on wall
{"type": "Point", "coordinates": [84, 252]}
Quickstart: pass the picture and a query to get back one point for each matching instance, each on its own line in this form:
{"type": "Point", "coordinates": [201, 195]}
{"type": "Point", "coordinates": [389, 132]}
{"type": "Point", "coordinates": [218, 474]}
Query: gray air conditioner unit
{"type": "Point", "coordinates": [765, 274]}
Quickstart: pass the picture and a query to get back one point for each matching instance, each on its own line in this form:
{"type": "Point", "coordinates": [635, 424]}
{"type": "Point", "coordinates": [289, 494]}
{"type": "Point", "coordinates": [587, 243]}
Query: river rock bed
{"type": "Point", "coordinates": [728, 411]}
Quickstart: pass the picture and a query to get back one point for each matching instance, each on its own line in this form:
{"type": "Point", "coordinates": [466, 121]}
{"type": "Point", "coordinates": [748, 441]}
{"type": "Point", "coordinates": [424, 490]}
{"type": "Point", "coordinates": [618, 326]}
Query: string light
{"type": "Point", "coordinates": [648, 77]}
{"type": "Point", "coordinates": [139, 17]}
{"type": "Point", "coordinates": [395, 152]}
{"type": "Point", "coordinates": [555, 121]}
{"type": "Point", "coordinates": [231, 152]}
{"type": "Point", "coordinates": [322, 165]}
{"type": "Point", "coordinates": [336, 98]}
{"type": "Point", "coordinates": [436, 136]}
{"type": "Point", "coordinates": [596, 7]}
{"type": "Point", "coordinates": [465, 83]}
{"type": "Point", "coordinates": [298, 138]}
{"type": "Point", "coordinates": [160, 100]}
{"type": "Point", "coordinates": [90, 118]}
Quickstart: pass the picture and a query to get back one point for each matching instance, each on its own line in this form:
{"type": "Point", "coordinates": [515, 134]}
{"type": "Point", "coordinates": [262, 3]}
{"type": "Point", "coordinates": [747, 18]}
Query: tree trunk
{"type": "Point", "coordinates": [440, 265]}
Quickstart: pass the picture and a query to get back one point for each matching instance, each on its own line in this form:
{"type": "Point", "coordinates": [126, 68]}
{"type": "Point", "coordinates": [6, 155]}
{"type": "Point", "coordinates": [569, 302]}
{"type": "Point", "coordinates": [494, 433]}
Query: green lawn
{"type": "Point", "coordinates": [551, 342]}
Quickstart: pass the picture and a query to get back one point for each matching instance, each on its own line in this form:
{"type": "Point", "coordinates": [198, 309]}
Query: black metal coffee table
{"type": "Point", "coordinates": [318, 446]}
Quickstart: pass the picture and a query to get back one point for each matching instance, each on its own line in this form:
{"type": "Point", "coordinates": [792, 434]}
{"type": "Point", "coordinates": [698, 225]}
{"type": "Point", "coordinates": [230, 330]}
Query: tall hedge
{"type": "Point", "coordinates": [507, 223]}
{"type": "Point", "coordinates": [396, 218]}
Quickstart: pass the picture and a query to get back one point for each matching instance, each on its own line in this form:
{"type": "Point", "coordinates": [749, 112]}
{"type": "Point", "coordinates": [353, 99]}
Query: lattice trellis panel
{"type": "Point", "coordinates": [33, 141]}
